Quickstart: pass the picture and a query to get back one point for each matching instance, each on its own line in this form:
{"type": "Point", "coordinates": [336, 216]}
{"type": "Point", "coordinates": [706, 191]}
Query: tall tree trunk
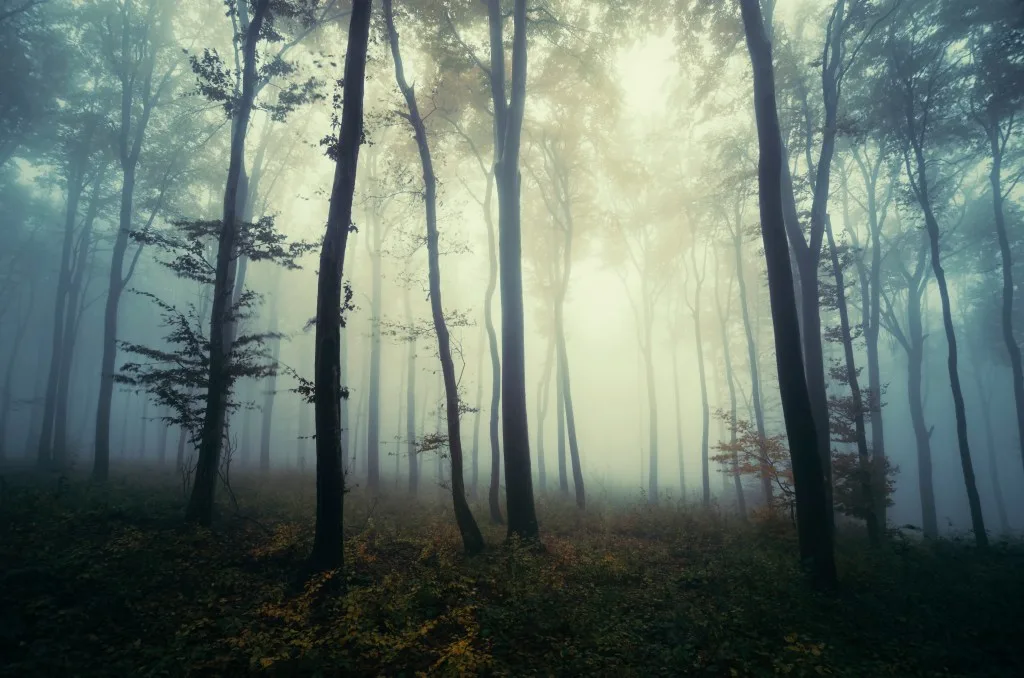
{"type": "Point", "coordinates": [705, 466]}
{"type": "Point", "coordinates": [543, 400]}
{"type": "Point", "coordinates": [161, 449]}
{"type": "Point", "coordinates": [679, 425]}
{"type": "Point", "coordinates": [647, 348]}
{"type": "Point", "coordinates": [867, 477]}
{"type": "Point", "coordinates": [474, 482]}
{"type": "Point", "coordinates": [755, 378]}
{"type": "Point", "coordinates": [932, 227]}
{"type": "Point", "coordinates": [76, 180]}
{"type": "Point", "coordinates": [814, 526]}
{"type": "Point", "coordinates": [493, 494]}
{"type": "Point", "coordinates": [410, 403]}
{"type": "Point", "coordinates": [730, 378]}
{"type": "Point", "coordinates": [14, 351]}
{"type": "Point", "coordinates": [129, 145]}
{"type": "Point", "coordinates": [270, 394]}
{"type": "Point", "coordinates": [871, 290]}
{"type": "Point", "coordinates": [1006, 316]}
{"type": "Point", "coordinates": [472, 540]}
{"type": "Point", "coordinates": [219, 381]}
{"type": "Point", "coordinates": [74, 293]}
{"type": "Point", "coordinates": [508, 124]}
{"type": "Point", "coordinates": [985, 398]}
{"type": "Point", "coordinates": [373, 412]}
{"type": "Point", "coordinates": [563, 467]}
{"type": "Point", "coordinates": [570, 415]}
{"type": "Point", "coordinates": [330, 479]}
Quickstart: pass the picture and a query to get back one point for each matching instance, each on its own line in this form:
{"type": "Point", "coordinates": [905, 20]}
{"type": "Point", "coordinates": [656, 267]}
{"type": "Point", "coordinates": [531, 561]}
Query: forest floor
{"type": "Point", "coordinates": [107, 581]}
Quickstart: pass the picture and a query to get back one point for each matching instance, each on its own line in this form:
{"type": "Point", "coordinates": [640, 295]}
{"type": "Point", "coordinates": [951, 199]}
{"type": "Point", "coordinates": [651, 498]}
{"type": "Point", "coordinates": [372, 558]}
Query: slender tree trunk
{"type": "Point", "coordinates": [563, 468]}
{"type": "Point", "coordinates": [922, 434]}
{"type": "Point", "coordinates": [705, 467]}
{"type": "Point", "coordinates": [543, 400]}
{"type": "Point", "coordinates": [730, 378]}
{"type": "Point", "coordinates": [327, 550]}
{"type": "Point", "coordinates": [679, 425]}
{"type": "Point", "coordinates": [493, 495]}
{"type": "Point", "coordinates": [932, 227]}
{"type": "Point", "coordinates": [472, 540]}
{"type": "Point", "coordinates": [647, 348]}
{"type": "Point", "coordinates": [867, 478]}
{"type": "Point", "coordinates": [755, 379]}
{"type": "Point", "coordinates": [1006, 317]}
{"type": "Point", "coordinates": [211, 439]}
{"type": "Point", "coordinates": [14, 352]}
{"type": "Point", "coordinates": [570, 416]}
{"type": "Point", "coordinates": [270, 394]}
{"type": "Point", "coordinates": [810, 477]}
{"type": "Point", "coordinates": [410, 404]}
{"type": "Point", "coordinates": [373, 413]}
{"type": "Point", "coordinates": [474, 482]}
{"type": "Point", "coordinates": [46, 454]}
{"type": "Point", "coordinates": [508, 123]}
{"type": "Point", "coordinates": [985, 398]}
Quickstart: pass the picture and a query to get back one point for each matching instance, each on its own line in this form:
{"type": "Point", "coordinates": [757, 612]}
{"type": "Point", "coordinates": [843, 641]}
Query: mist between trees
{"type": "Point", "coordinates": [748, 257]}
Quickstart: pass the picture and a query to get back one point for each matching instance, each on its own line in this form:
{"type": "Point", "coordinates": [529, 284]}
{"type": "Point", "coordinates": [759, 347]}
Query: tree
{"type": "Point", "coordinates": [508, 127]}
{"type": "Point", "coordinates": [135, 53]}
{"type": "Point", "coordinates": [471, 538]}
{"type": "Point", "coordinates": [330, 479]}
{"type": "Point", "coordinates": [922, 80]}
{"type": "Point", "coordinates": [814, 525]}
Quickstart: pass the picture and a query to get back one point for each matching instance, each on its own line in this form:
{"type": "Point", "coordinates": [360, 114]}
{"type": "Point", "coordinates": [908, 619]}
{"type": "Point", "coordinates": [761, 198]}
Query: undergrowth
{"type": "Point", "coordinates": [107, 581]}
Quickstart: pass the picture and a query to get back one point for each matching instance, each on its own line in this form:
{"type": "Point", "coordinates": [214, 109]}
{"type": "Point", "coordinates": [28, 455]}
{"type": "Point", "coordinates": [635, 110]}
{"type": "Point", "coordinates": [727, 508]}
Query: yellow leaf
{"type": "Point", "coordinates": [266, 661]}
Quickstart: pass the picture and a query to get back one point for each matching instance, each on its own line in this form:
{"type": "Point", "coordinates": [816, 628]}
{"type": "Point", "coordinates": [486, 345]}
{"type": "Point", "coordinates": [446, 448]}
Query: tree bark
{"type": "Point", "coordinates": [814, 526]}
{"type": "Point", "coordinates": [705, 465]}
{"type": "Point", "coordinates": [373, 392]}
{"type": "Point", "coordinates": [211, 439]}
{"type": "Point", "coordinates": [327, 550]}
{"type": "Point", "coordinates": [270, 395]}
{"type": "Point", "coordinates": [472, 540]}
{"type": "Point", "coordinates": [543, 401]}
{"type": "Point", "coordinates": [932, 227]}
{"type": "Point", "coordinates": [508, 122]}
{"type": "Point", "coordinates": [867, 478]}
{"type": "Point", "coordinates": [730, 378]}
{"type": "Point", "coordinates": [410, 405]}
{"type": "Point", "coordinates": [1006, 316]}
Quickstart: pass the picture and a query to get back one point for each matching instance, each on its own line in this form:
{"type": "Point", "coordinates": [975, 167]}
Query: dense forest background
{"type": "Point", "coordinates": [753, 257]}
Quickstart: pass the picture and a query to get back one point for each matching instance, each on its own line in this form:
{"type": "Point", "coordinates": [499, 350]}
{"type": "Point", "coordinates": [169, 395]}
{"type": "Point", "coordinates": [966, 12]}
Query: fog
{"type": "Point", "coordinates": [650, 123]}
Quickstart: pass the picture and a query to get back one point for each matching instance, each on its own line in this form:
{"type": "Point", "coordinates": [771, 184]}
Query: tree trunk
{"type": "Point", "coordinates": [570, 416]}
{"type": "Point", "coordinates": [679, 425]}
{"type": "Point", "coordinates": [755, 379]}
{"type": "Point", "coordinates": [373, 412]}
{"type": "Point", "coordinates": [472, 540]}
{"type": "Point", "coordinates": [46, 454]}
{"type": "Point", "coordinates": [812, 509]}
{"type": "Point", "coordinates": [922, 434]}
{"type": "Point", "coordinates": [211, 439]}
{"type": "Point", "coordinates": [1012, 349]}
{"type": "Point", "coordinates": [270, 395]}
{"type": "Point", "coordinates": [563, 467]}
{"type": "Point", "coordinates": [508, 123]}
{"type": "Point", "coordinates": [474, 482]}
{"type": "Point", "coordinates": [493, 494]}
{"type": "Point", "coordinates": [741, 500]}
{"type": "Point", "coordinates": [867, 478]}
{"type": "Point", "coordinates": [647, 349]}
{"type": "Point", "coordinates": [14, 350]}
{"type": "Point", "coordinates": [543, 400]}
{"type": "Point", "coordinates": [410, 405]}
{"type": "Point", "coordinates": [932, 227]}
{"type": "Point", "coordinates": [330, 479]}
{"type": "Point", "coordinates": [705, 466]}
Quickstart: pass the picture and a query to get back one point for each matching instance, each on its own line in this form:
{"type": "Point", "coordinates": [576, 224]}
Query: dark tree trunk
{"type": "Point", "coordinates": [1012, 349]}
{"type": "Point", "coordinates": [327, 551]}
{"type": "Point", "coordinates": [493, 492]}
{"type": "Point", "coordinates": [867, 478]}
{"type": "Point", "coordinates": [474, 482]}
{"type": "Point", "coordinates": [508, 123]}
{"type": "Point", "coordinates": [14, 352]}
{"type": "Point", "coordinates": [211, 438]}
{"type": "Point", "coordinates": [810, 478]}
{"type": "Point", "coordinates": [570, 416]}
{"type": "Point", "coordinates": [472, 540]}
{"type": "Point", "coordinates": [921, 189]}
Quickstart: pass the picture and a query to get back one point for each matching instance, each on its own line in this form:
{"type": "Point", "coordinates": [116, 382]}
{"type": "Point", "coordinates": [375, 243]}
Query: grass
{"type": "Point", "coordinates": [107, 581]}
